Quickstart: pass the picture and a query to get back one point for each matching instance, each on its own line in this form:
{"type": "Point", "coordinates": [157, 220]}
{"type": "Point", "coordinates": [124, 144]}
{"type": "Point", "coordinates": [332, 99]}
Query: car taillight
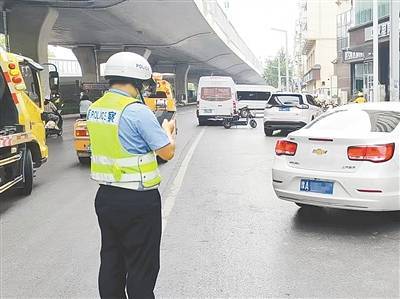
{"type": "Point", "coordinates": [81, 133]}
{"type": "Point", "coordinates": [286, 148]}
{"type": "Point", "coordinates": [372, 153]}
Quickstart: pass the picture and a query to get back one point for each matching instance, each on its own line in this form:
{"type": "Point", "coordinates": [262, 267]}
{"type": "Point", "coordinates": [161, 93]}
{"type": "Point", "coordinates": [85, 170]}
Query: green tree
{"type": "Point", "coordinates": [271, 69]}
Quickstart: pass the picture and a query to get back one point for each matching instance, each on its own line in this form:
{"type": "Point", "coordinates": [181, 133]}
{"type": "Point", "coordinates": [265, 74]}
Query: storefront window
{"type": "Point", "coordinates": [343, 24]}
{"type": "Point", "coordinates": [363, 10]}
{"type": "Point", "coordinates": [358, 83]}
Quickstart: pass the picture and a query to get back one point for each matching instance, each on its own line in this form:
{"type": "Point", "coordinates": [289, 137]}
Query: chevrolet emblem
{"type": "Point", "coordinates": [319, 151]}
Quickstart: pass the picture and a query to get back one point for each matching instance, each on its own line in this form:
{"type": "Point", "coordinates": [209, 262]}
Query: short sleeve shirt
{"type": "Point", "coordinates": [139, 129]}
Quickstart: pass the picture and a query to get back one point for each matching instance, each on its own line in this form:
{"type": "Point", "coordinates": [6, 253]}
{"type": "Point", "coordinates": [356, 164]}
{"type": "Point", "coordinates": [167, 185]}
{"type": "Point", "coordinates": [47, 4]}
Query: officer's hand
{"type": "Point", "coordinates": [169, 126]}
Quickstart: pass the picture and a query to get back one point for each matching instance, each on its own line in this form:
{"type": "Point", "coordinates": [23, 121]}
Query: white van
{"type": "Point", "coordinates": [255, 97]}
{"type": "Point", "coordinates": [216, 98]}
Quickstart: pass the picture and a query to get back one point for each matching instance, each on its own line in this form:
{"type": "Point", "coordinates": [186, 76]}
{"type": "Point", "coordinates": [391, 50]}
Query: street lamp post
{"type": "Point", "coordinates": [375, 50]}
{"type": "Point", "coordinates": [279, 74]}
{"type": "Point", "coordinates": [394, 50]}
{"type": "Point", "coordinates": [286, 54]}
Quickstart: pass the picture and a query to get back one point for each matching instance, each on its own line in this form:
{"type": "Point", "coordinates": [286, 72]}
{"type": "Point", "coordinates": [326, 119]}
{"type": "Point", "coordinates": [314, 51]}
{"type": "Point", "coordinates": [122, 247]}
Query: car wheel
{"type": "Point", "coordinates": [202, 122]}
{"type": "Point", "coordinates": [28, 174]}
{"type": "Point", "coordinates": [84, 160]}
{"type": "Point", "coordinates": [268, 132]}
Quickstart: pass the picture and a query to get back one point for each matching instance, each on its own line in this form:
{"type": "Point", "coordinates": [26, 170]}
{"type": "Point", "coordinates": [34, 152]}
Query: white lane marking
{"type": "Point", "coordinates": [178, 181]}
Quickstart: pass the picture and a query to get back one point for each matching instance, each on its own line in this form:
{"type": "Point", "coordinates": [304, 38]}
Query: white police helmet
{"type": "Point", "coordinates": [128, 65]}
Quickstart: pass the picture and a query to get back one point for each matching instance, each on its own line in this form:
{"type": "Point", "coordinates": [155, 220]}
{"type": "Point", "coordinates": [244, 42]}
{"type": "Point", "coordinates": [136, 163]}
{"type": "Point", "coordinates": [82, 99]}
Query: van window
{"type": "Point", "coordinates": [367, 121]}
{"type": "Point", "coordinates": [285, 100]}
{"type": "Point", "coordinates": [216, 93]}
{"type": "Point", "coordinates": [253, 95]}
{"type": "Point", "coordinates": [31, 82]}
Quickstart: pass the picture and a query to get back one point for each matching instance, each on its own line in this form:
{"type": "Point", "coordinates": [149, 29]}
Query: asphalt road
{"type": "Point", "coordinates": [225, 235]}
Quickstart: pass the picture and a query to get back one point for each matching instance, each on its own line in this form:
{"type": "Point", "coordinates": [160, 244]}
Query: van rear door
{"type": "Point", "coordinates": [216, 101]}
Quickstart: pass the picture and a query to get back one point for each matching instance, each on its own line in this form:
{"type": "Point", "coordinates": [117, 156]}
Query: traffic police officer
{"type": "Point", "coordinates": [125, 138]}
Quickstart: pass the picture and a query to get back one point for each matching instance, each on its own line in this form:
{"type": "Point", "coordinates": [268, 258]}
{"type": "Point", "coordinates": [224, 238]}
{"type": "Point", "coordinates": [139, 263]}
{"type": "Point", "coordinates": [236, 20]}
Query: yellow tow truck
{"type": "Point", "coordinates": [22, 131]}
{"type": "Point", "coordinates": [160, 100]}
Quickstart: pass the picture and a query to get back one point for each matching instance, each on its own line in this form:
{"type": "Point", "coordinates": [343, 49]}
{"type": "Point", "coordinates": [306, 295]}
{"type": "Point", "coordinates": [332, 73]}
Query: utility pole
{"type": "Point", "coordinates": [287, 61]}
{"type": "Point", "coordinates": [375, 46]}
{"type": "Point", "coordinates": [279, 74]}
{"type": "Point", "coordinates": [394, 50]}
{"type": "Point", "coordinates": [286, 54]}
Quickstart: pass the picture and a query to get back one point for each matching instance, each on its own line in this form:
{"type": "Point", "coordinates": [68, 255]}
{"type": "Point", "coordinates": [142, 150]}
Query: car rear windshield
{"type": "Point", "coordinates": [158, 94]}
{"type": "Point", "coordinates": [278, 100]}
{"type": "Point", "coordinates": [358, 121]}
{"type": "Point", "coordinates": [216, 93]}
{"type": "Point", "coordinates": [253, 95]}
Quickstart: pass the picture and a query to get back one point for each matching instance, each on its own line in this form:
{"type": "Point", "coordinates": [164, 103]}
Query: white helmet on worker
{"type": "Point", "coordinates": [128, 65]}
{"type": "Point", "coordinates": [360, 94]}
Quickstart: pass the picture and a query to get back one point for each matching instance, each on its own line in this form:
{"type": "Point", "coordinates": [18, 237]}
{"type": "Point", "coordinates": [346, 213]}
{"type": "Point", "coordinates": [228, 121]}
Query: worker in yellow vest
{"type": "Point", "coordinates": [360, 98]}
{"type": "Point", "coordinates": [125, 138]}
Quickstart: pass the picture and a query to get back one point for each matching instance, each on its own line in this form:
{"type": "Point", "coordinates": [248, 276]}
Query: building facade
{"type": "Point", "coordinates": [319, 47]}
{"type": "Point", "coordinates": [342, 69]}
{"type": "Point", "coordinates": [360, 51]}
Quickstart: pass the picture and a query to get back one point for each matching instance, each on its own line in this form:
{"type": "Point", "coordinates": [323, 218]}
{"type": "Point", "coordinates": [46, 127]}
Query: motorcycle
{"type": "Point", "coordinates": [239, 120]}
{"type": "Point", "coordinates": [52, 126]}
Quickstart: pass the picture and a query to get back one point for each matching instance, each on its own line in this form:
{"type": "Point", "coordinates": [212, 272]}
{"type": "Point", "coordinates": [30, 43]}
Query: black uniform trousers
{"type": "Point", "coordinates": [130, 224]}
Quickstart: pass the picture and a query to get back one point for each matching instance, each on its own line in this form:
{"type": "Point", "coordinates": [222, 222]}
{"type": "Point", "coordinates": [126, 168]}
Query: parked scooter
{"type": "Point", "coordinates": [238, 120]}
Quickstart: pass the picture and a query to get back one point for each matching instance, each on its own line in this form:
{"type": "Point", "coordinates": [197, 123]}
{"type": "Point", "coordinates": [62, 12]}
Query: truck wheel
{"type": "Point", "coordinates": [84, 160]}
{"type": "Point", "coordinates": [28, 174]}
{"type": "Point", "coordinates": [268, 132]}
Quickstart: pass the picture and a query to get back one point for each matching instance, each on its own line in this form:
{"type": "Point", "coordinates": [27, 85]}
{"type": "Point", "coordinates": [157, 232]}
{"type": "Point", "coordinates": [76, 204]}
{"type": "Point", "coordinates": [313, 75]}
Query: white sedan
{"type": "Point", "coordinates": [289, 112]}
{"type": "Point", "coordinates": [347, 158]}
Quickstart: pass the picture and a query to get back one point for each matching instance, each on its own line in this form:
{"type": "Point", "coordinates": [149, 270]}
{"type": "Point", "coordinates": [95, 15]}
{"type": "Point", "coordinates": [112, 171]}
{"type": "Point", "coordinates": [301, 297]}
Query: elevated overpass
{"type": "Point", "coordinates": [190, 38]}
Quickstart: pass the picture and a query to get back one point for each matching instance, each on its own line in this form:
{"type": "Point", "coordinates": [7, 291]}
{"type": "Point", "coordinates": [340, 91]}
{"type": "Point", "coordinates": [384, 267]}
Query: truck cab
{"type": "Point", "coordinates": [22, 133]}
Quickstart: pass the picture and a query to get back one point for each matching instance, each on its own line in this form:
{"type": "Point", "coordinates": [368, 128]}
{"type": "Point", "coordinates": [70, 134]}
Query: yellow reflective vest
{"type": "Point", "coordinates": [111, 163]}
{"type": "Point", "coordinates": [360, 100]}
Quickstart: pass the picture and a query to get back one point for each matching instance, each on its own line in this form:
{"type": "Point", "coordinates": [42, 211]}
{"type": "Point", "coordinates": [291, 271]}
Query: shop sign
{"type": "Point", "coordinates": [352, 55]}
{"type": "Point", "coordinates": [383, 30]}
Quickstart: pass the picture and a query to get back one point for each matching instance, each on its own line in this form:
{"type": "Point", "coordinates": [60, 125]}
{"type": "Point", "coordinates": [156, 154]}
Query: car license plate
{"type": "Point", "coordinates": [284, 109]}
{"type": "Point", "coordinates": [323, 187]}
{"type": "Point", "coordinates": [160, 103]}
{"type": "Point", "coordinates": [207, 110]}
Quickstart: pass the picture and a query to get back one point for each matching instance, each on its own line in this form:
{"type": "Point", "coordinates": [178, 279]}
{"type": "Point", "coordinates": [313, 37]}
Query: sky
{"type": "Point", "coordinates": [253, 19]}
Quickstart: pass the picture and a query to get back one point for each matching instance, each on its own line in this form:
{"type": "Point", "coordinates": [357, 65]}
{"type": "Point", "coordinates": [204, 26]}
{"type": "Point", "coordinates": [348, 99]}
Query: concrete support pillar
{"type": "Point", "coordinates": [29, 36]}
{"type": "Point", "coordinates": [181, 82]}
{"type": "Point", "coordinates": [194, 79]}
{"type": "Point", "coordinates": [87, 59]}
